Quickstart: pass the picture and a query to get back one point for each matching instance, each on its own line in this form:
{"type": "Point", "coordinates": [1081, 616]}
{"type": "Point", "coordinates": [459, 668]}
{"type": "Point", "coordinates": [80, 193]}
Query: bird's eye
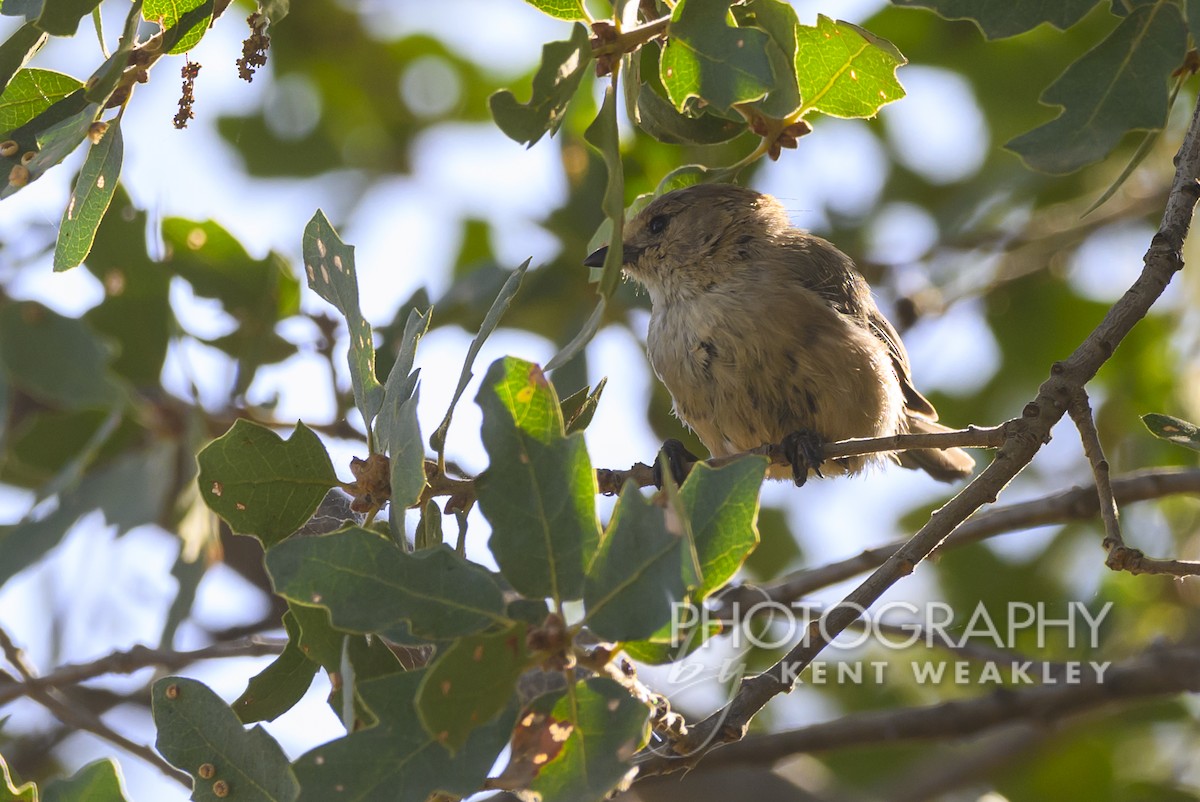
{"type": "Point", "coordinates": [657, 223]}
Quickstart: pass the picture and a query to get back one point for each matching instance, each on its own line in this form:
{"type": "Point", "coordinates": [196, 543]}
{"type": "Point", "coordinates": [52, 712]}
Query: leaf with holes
{"type": "Point", "coordinates": [554, 84]}
{"type": "Point", "coordinates": [198, 733]}
{"type": "Point", "coordinates": [575, 746]}
{"type": "Point", "coordinates": [261, 484]}
{"type": "Point", "coordinates": [329, 264]}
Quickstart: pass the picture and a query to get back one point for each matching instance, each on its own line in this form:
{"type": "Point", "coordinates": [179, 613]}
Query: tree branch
{"type": "Point", "coordinates": [1024, 438]}
{"type": "Point", "coordinates": [1158, 672]}
{"type": "Point", "coordinates": [1075, 504]}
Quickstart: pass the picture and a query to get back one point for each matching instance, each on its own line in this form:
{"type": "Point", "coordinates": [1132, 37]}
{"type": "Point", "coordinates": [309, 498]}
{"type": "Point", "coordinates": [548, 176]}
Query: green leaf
{"type": "Point", "coordinates": [54, 143]}
{"type": "Point", "coordinates": [278, 687]}
{"type": "Point", "coordinates": [136, 311]}
{"type": "Point", "coordinates": [604, 727]}
{"type": "Point", "coordinates": [397, 760]}
{"type": "Point", "coordinates": [539, 490]}
{"type": "Point", "coordinates": [471, 683]}
{"type": "Point", "coordinates": [845, 71]}
{"type": "Point", "coordinates": [98, 781]}
{"type": "Point", "coordinates": [602, 134]}
{"type": "Point", "coordinates": [707, 58]}
{"type": "Point", "coordinates": [636, 576]}
{"type": "Point", "coordinates": [1192, 10]}
{"type": "Point", "coordinates": [370, 585]}
{"type": "Point", "coordinates": [429, 528]}
{"type": "Point", "coordinates": [9, 791]}
{"type": "Point", "coordinates": [329, 263]}
{"type": "Point", "coordinates": [721, 505]}
{"type": "Point", "coordinates": [578, 408]}
{"type": "Point", "coordinates": [781, 24]}
{"type": "Point", "coordinates": [688, 630]}
{"type": "Point", "coordinates": [196, 728]}
{"type": "Point", "coordinates": [554, 84]}
{"type": "Point", "coordinates": [261, 484]}
{"type": "Point", "coordinates": [183, 21]}
{"type": "Point", "coordinates": [645, 97]}
{"type": "Point", "coordinates": [397, 429]}
{"type": "Point", "coordinates": [571, 10]}
{"type": "Point", "coordinates": [1118, 86]}
{"type": "Point", "coordinates": [777, 548]}
{"type": "Point", "coordinates": [30, 92]}
{"type": "Point", "coordinates": [61, 17]}
{"type": "Point", "coordinates": [55, 359]}
{"type": "Point", "coordinates": [1000, 18]}
{"type": "Point", "coordinates": [89, 200]}
{"type": "Point", "coordinates": [504, 298]}
{"type": "Point", "coordinates": [1172, 429]}
{"type": "Point", "coordinates": [15, 51]}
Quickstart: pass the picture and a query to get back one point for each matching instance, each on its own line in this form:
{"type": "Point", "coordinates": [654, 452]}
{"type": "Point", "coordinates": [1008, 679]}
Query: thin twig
{"type": "Point", "coordinates": [611, 481]}
{"type": "Point", "coordinates": [135, 659]}
{"type": "Point", "coordinates": [1081, 413]}
{"type": "Point", "coordinates": [76, 716]}
{"type": "Point", "coordinates": [1024, 438]}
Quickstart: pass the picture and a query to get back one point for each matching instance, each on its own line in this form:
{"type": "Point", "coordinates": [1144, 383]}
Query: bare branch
{"type": "Point", "coordinates": [76, 716]}
{"type": "Point", "coordinates": [1081, 413]}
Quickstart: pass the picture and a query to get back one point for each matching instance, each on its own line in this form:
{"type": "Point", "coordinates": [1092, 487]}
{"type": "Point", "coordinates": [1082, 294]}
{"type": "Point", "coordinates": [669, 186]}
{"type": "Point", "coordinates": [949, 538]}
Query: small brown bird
{"type": "Point", "coordinates": [763, 333]}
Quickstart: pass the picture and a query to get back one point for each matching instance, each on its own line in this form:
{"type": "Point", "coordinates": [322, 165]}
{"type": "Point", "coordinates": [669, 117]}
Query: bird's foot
{"type": "Point", "coordinates": [805, 451]}
{"type": "Point", "coordinates": [679, 462]}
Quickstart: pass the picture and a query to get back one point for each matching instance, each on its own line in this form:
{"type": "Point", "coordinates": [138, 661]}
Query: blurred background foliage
{"type": "Point", "coordinates": [993, 269]}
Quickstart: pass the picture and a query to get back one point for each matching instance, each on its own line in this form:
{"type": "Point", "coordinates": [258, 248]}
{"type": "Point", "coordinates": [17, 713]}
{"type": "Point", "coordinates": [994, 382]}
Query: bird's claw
{"type": "Point", "coordinates": [679, 461]}
{"type": "Point", "coordinates": [805, 451]}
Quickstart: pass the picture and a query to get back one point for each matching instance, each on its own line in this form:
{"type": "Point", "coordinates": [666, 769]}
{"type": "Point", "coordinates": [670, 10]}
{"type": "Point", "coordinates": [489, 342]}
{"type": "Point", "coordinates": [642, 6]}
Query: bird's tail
{"type": "Point", "coordinates": [944, 464]}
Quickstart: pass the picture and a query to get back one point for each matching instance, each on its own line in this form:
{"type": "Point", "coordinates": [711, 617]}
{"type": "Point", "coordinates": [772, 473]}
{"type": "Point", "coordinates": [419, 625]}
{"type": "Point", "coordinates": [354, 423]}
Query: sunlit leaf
{"type": "Point", "coordinates": [554, 84]}
{"type": "Point", "coordinates": [707, 58]}
{"type": "Point", "coordinates": [845, 71]}
{"type": "Point", "coordinates": [30, 92]}
{"type": "Point", "coordinates": [1172, 429]}
{"type": "Point", "coordinates": [89, 199]}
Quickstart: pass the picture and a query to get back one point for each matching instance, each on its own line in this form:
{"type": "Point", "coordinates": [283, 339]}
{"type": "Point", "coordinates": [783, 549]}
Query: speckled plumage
{"type": "Point", "coordinates": [759, 330]}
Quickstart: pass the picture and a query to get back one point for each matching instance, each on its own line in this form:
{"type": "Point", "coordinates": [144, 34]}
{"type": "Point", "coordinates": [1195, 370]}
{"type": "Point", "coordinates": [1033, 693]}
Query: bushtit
{"type": "Point", "coordinates": [766, 334]}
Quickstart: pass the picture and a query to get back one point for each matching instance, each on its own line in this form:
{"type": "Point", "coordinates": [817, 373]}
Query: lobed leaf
{"type": "Point", "coordinates": [1118, 86]}
{"type": "Point", "coordinates": [554, 84]}
{"type": "Point", "coordinates": [261, 484]}
{"type": "Point", "coordinates": [998, 20]}
{"type": "Point", "coordinates": [709, 59]}
{"type": "Point", "coordinates": [196, 728]}
{"type": "Point", "coordinates": [845, 71]}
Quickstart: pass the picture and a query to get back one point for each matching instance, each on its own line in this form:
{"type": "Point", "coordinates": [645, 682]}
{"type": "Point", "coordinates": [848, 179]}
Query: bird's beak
{"type": "Point", "coordinates": [596, 257]}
